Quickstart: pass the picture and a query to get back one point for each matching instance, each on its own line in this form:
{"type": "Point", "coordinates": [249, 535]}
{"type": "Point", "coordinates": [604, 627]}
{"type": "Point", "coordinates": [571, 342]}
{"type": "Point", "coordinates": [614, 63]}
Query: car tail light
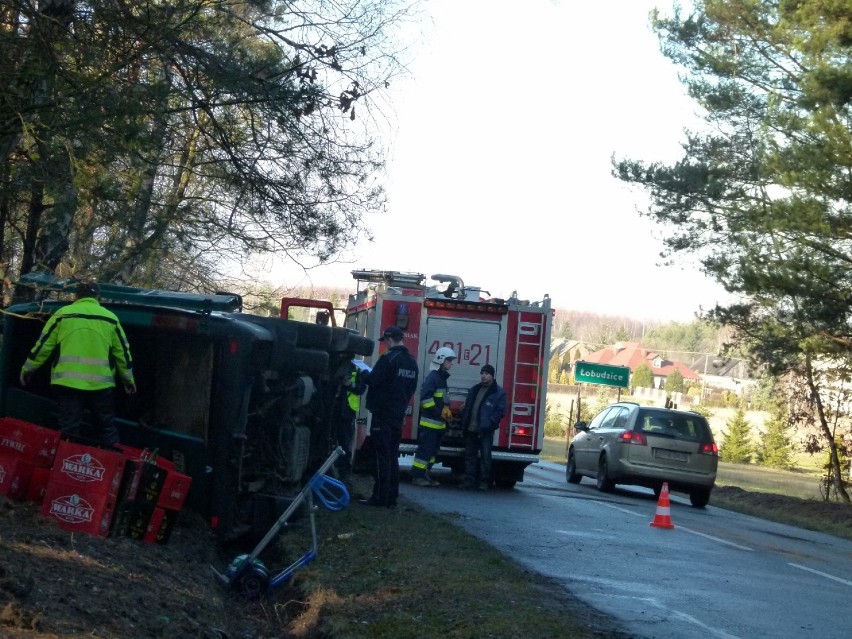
{"type": "Point", "coordinates": [708, 449]}
{"type": "Point", "coordinates": [629, 437]}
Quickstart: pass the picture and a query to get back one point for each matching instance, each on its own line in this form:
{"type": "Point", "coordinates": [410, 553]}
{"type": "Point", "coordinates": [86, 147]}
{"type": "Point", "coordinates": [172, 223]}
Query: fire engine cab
{"type": "Point", "coordinates": [512, 335]}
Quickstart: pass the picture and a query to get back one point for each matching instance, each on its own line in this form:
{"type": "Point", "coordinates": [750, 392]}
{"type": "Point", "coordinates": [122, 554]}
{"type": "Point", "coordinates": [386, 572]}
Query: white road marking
{"type": "Point", "coordinates": [721, 541]}
{"type": "Point", "coordinates": [624, 510]}
{"type": "Point", "coordinates": [666, 611]}
{"type": "Point", "coordinates": [821, 574]}
{"type": "Point", "coordinates": [708, 629]}
{"type": "Point", "coordinates": [689, 530]}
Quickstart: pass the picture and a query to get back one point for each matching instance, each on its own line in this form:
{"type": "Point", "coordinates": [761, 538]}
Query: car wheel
{"type": "Point", "coordinates": [571, 474]}
{"type": "Point", "coordinates": [605, 483]}
{"type": "Point", "coordinates": [699, 498]}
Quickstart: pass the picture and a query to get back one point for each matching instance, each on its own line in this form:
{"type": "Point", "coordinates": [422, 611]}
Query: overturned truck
{"type": "Point", "coordinates": [238, 402]}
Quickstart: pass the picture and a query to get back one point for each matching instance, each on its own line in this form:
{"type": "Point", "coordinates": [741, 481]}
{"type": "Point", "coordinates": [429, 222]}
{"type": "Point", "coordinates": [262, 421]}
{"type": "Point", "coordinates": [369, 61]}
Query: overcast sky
{"type": "Point", "coordinates": [500, 163]}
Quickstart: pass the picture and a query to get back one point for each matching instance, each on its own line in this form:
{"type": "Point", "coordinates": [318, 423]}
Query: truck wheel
{"type": "Point", "coordinates": [361, 345]}
{"type": "Point", "coordinates": [505, 483]}
{"type": "Point", "coordinates": [340, 337]}
{"type": "Point", "coordinates": [306, 361]}
{"type": "Point", "coordinates": [313, 336]}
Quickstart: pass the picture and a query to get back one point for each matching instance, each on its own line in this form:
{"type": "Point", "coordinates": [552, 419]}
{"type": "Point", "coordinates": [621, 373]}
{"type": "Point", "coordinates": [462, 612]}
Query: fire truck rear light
{"type": "Point", "coordinates": [629, 437]}
{"type": "Point", "coordinates": [522, 430]}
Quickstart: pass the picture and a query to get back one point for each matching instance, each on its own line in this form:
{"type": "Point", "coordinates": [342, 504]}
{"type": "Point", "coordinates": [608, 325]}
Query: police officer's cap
{"type": "Point", "coordinates": [392, 332]}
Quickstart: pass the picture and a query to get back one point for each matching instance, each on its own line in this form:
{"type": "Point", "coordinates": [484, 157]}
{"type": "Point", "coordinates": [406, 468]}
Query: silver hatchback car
{"type": "Point", "coordinates": [645, 446]}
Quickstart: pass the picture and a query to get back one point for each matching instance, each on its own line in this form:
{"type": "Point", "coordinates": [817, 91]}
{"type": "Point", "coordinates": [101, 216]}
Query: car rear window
{"type": "Point", "coordinates": [677, 426]}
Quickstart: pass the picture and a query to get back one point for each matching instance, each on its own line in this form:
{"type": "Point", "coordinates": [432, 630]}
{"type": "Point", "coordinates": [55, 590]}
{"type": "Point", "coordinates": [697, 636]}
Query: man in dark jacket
{"type": "Point", "coordinates": [390, 386]}
{"type": "Point", "coordinates": [483, 409]}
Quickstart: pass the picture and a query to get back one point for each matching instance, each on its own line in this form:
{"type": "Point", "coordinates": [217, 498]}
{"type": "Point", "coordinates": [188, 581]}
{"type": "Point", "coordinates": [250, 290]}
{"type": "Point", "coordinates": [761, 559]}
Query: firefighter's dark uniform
{"type": "Point", "coordinates": [431, 426]}
{"type": "Point", "coordinates": [391, 384]}
{"type": "Point", "coordinates": [91, 346]}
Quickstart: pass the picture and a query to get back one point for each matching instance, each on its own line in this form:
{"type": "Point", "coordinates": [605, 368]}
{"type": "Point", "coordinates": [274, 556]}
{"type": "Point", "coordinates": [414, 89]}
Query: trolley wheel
{"type": "Point", "coordinates": [253, 584]}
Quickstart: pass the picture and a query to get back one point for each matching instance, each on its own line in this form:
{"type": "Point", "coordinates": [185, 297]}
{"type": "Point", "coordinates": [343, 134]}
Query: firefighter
{"type": "Point", "coordinates": [91, 347]}
{"type": "Point", "coordinates": [434, 415]}
{"type": "Point", "coordinates": [347, 401]}
{"type": "Point", "coordinates": [483, 409]}
{"type": "Point", "coordinates": [390, 386]}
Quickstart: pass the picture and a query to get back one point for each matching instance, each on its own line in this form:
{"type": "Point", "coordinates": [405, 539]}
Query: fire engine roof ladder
{"type": "Point", "coordinates": [528, 353]}
{"type": "Point", "coordinates": [391, 278]}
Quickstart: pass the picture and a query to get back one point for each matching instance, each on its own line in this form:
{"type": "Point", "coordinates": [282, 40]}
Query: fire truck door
{"type": "Point", "coordinates": [475, 342]}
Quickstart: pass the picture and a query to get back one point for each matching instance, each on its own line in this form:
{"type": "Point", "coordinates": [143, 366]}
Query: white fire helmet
{"type": "Point", "coordinates": [442, 354]}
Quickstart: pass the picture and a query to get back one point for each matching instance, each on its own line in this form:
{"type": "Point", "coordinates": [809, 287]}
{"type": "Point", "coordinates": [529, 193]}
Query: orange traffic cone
{"type": "Point", "coordinates": [663, 516]}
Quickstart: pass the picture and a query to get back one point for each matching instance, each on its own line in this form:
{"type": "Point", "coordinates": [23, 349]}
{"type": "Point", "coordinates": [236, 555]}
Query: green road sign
{"type": "Point", "coordinates": [603, 374]}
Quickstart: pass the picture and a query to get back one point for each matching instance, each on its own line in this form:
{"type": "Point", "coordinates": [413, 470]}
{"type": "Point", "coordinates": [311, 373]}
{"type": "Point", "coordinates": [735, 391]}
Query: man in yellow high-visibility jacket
{"type": "Point", "coordinates": [347, 401]}
{"type": "Point", "coordinates": [91, 346]}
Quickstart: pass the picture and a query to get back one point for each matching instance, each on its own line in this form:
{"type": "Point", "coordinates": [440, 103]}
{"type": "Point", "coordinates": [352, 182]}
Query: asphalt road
{"type": "Point", "coordinates": [716, 574]}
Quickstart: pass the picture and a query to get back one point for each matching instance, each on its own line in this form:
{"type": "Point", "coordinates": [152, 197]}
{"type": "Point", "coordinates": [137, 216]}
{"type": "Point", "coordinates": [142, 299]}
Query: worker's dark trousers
{"type": "Point", "coordinates": [101, 405]}
{"type": "Point", "coordinates": [345, 439]}
{"type": "Point", "coordinates": [385, 437]}
{"type": "Point", "coordinates": [477, 457]}
{"type": "Point", "coordinates": [428, 443]}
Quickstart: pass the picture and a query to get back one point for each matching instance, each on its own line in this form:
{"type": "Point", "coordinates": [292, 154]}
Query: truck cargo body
{"type": "Point", "coordinates": [239, 402]}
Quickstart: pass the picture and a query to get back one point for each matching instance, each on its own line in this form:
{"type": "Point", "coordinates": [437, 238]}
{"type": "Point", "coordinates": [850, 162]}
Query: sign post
{"type": "Point", "coordinates": [602, 374]}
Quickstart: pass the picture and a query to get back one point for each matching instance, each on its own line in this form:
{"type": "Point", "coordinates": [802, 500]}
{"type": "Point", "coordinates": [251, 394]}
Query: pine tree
{"type": "Point", "coordinates": [674, 382]}
{"type": "Point", "coordinates": [737, 446]}
{"type": "Point", "coordinates": [642, 377]}
{"type": "Point", "coordinates": [775, 449]}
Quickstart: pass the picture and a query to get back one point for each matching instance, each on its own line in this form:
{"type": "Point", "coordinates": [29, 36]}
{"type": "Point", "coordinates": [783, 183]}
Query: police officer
{"type": "Point", "coordinates": [91, 347]}
{"type": "Point", "coordinates": [390, 387]}
{"type": "Point", "coordinates": [434, 414]}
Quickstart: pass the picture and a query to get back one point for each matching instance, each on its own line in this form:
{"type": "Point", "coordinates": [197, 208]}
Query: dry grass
{"type": "Point", "coordinates": [407, 573]}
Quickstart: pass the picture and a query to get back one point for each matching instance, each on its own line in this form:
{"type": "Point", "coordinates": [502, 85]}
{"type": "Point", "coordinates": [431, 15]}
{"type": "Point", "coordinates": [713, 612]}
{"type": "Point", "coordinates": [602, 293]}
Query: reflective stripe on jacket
{"type": "Point", "coordinates": [433, 394]}
{"type": "Point", "coordinates": [91, 346]}
{"type": "Point", "coordinates": [354, 399]}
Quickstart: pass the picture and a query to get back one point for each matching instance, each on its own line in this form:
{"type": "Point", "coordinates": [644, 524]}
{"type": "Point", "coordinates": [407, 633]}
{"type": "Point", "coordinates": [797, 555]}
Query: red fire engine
{"type": "Point", "coordinates": [513, 335]}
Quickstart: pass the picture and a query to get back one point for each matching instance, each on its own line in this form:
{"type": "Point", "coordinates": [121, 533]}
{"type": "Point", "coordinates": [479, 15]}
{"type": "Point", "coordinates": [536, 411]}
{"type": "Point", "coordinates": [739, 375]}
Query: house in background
{"type": "Point", "coordinates": [568, 351]}
{"type": "Point", "coordinates": [633, 355]}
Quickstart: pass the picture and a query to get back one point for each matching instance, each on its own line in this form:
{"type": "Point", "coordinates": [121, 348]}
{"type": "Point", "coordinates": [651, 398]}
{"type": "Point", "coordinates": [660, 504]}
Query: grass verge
{"type": "Point", "coordinates": [407, 573]}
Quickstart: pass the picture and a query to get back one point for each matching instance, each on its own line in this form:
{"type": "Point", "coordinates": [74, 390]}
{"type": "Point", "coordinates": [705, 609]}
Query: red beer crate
{"type": "Point", "coordinates": [174, 490]}
{"type": "Point", "coordinates": [87, 467]}
{"type": "Point", "coordinates": [15, 475]}
{"type": "Point", "coordinates": [33, 442]}
{"type": "Point", "coordinates": [80, 508]}
{"type": "Point", "coordinates": [38, 485]}
{"type": "Point", "coordinates": [142, 485]}
{"type": "Point", "coordinates": [160, 526]}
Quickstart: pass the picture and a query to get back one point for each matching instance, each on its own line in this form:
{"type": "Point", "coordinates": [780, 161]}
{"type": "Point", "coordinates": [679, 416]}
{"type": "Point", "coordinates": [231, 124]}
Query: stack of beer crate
{"type": "Point", "coordinates": [26, 457]}
{"type": "Point", "coordinates": [153, 493]}
{"type": "Point", "coordinates": [123, 492]}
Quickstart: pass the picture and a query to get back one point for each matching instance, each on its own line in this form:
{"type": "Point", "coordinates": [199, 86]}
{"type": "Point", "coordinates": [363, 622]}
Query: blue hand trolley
{"type": "Point", "coordinates": [247, 574]}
